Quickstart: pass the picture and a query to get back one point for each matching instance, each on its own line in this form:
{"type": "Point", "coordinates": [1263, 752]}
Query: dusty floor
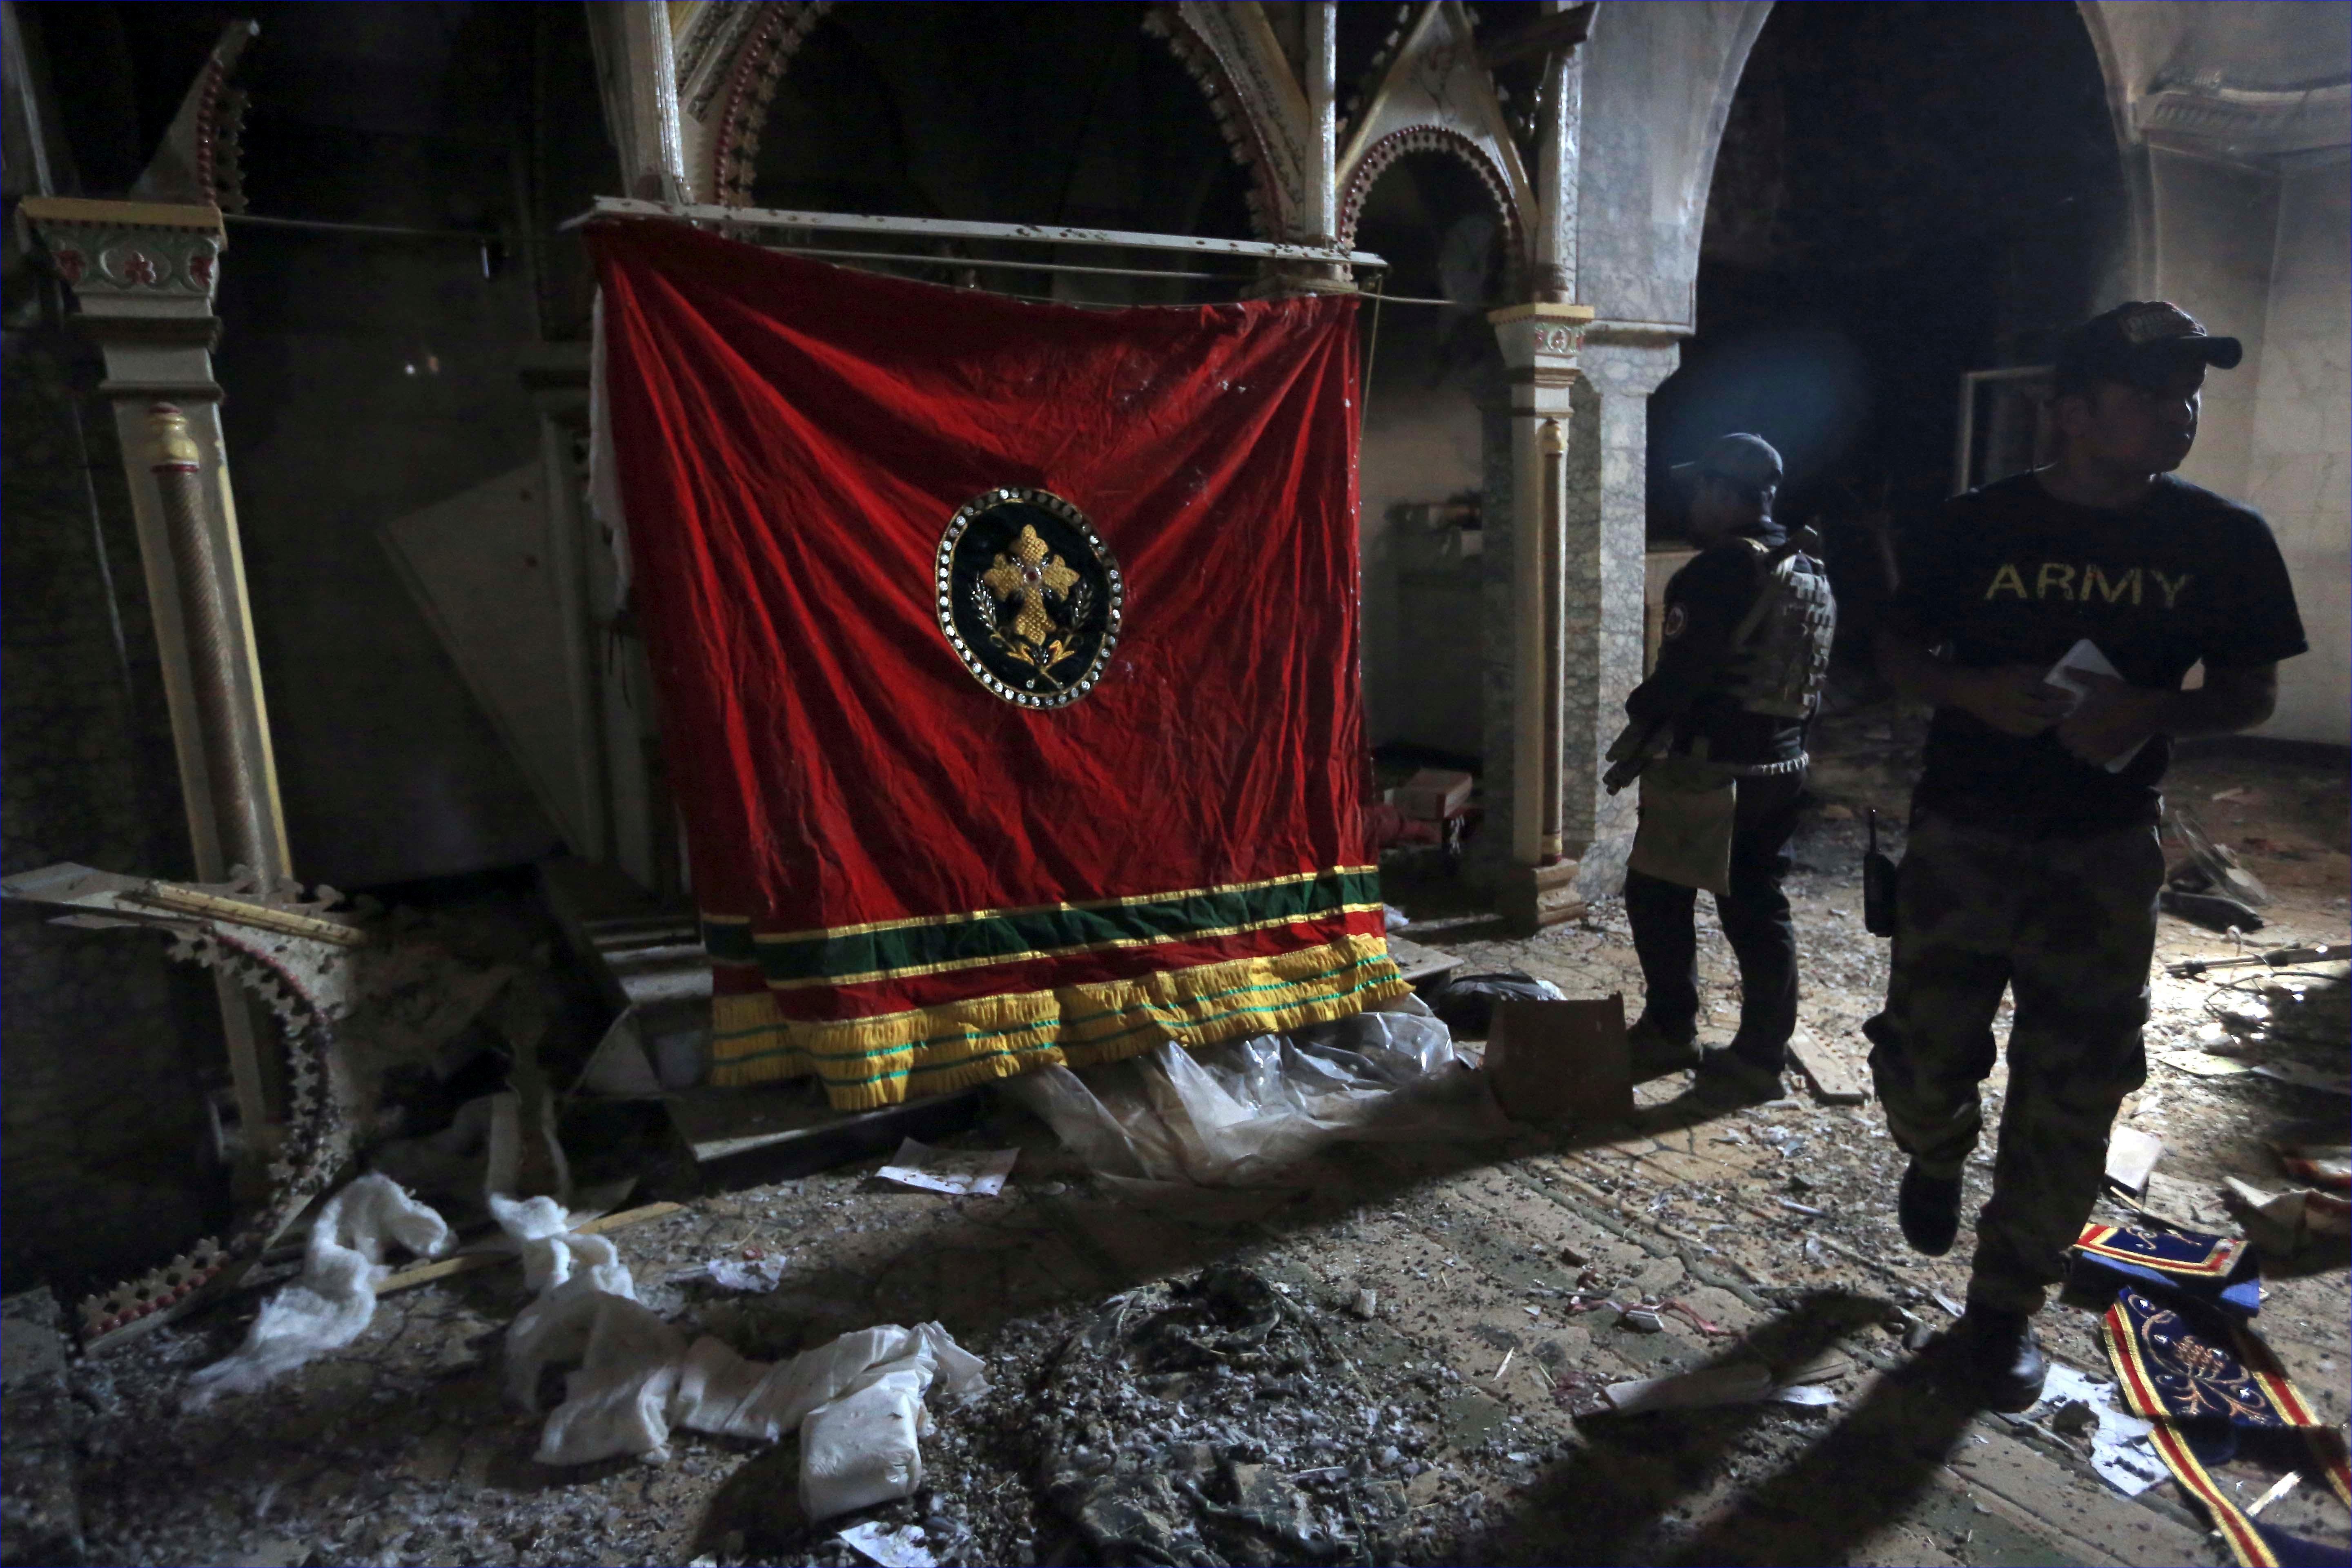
{"type": "Point", "coordinates": [1443, 1420]}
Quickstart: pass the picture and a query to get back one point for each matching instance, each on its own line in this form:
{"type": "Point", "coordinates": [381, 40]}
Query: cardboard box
{"type": "Point", "coordinates": [1561, 1061]}
{"type": "Point", "coordinates": [1433, 795]}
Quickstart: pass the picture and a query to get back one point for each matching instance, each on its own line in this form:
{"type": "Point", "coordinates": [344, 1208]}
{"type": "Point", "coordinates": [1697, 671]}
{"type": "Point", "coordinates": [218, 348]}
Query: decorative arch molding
{"type": "Point", "coordinates": [1383, 155]}
{"type": "Point", "coordinates": [1436, 97]}
{"type": "Point", "coordinates": [1718, 115]}
{"type": "Point", "coordinates": [1231, 50]}
{"type": "Point", "coordinates": [197, 160]}
{"type": "Point", "coordinates": [731, 55]}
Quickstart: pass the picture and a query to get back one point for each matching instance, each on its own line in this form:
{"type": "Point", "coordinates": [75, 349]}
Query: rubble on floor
{"type": "Point", "coordinates": [1212, 1420]}
{"type": "Point", "coordinates": [40, 1507]}
{"type": "Point", "coordinates": [1403, 1354]}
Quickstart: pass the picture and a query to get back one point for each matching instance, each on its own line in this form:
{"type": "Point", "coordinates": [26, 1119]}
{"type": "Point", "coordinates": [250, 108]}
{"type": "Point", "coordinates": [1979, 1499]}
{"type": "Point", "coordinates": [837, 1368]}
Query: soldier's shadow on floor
{"type": "Point", "coordinates": [1646, 1489]}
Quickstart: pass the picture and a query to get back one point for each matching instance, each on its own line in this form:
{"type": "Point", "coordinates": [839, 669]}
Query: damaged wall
{"type": "Point", "coordinates": [2236, 125]}
{"type": "Point", "coordinates": [367, 376]}
{"type": "Point", "coordinates": [2301, 476]}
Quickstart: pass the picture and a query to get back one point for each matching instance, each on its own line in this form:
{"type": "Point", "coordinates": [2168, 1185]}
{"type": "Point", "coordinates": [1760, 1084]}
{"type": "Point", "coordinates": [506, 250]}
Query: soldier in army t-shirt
{"type": "Point", "coordinates": [2033, 864]}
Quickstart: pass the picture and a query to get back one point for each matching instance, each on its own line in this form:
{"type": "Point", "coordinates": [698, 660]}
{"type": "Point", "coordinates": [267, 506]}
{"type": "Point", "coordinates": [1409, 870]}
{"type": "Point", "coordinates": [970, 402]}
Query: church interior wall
{"type": "Point", "coordinates": [2301, 477]}
{"type": "Point", "coordinates": [2216, 226]}
{"type": "Point", "coordinates": [2238, 118]}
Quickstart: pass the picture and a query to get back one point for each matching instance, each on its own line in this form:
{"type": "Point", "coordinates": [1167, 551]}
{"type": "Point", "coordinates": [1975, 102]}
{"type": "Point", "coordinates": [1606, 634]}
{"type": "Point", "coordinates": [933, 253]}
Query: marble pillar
{"type": "Point", "coordinates": [1606, 539]}
{"type": "Point", "coordinates": [1532, 478]}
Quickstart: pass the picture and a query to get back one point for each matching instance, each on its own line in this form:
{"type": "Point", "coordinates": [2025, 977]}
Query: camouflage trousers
{"type": "Point", "coordinates": [2068, 925]}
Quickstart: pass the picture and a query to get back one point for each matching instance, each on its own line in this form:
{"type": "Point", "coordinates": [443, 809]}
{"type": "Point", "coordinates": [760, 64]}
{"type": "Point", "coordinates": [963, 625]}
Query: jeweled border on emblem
{"type": "Point", "coordinates": [1113, 611]}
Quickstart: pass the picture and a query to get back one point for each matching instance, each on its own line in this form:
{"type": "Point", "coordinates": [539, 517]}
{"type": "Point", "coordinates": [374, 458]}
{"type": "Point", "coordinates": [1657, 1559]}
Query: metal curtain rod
{"type": "Point", "coordinates": [1450, 304]}
{"type": "Point", "coordinates": [387, 231]}
{"type": "Point", "coordinates": [1001, 264]}
{"type": "Point", "coordinates": [951, 228]}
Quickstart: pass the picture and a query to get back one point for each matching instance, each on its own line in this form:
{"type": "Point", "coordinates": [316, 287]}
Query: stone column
{"type": "Point", "coordinates": [143, 275]}
{"type": "Point", "coordinates": [1314, 219]}
{"type": "Point", "coordinates": [638, 70]}
{"type": "Point", "coordinates": [557, 377]}
{"type": "Point", "coordinates": [1606, 534]}
{"type": "Point", "coordinates": [1529, 859]}
{"type": "Point", "coordinates": [1322, 211]}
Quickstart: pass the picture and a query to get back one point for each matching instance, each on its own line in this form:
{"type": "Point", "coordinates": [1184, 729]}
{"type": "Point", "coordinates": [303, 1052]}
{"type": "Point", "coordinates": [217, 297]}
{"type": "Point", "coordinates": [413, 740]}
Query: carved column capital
{"type": "Point", "coordinates": [130, 259]}
{"type": "Point", "coordinates": [1542, 344]}
{"type": "Point", "coordinates": [143, 275]}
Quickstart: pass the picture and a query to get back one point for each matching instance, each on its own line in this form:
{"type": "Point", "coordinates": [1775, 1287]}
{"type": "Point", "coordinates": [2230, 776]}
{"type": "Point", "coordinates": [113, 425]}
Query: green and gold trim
{"type": "Point", "coordinates": [868, 1062]}
{"type": "Point", "coordinates": [903, 949]}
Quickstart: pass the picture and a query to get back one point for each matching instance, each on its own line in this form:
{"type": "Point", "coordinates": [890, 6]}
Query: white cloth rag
{"type": "Point", "coordinates": [333, 1301]}
{"type": "Point", "coordinates": [638, 1376]}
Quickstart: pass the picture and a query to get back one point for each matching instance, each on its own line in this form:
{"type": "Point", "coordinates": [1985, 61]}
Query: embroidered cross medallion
{"type": "Point", "coordinates": [1029, 597]}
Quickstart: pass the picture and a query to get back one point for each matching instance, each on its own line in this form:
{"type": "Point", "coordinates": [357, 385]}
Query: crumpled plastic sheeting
{"type": "Point", "coordinates": [333, 1301]}
{"type": "Point", "coordinates": [1236, 1116]}
{"type": "Point", "coordinates": [639, 1377]}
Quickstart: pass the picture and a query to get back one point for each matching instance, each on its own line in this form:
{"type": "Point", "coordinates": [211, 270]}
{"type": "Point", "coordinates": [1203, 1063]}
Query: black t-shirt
{"type": "Point", "coordinates": [2010, 575]}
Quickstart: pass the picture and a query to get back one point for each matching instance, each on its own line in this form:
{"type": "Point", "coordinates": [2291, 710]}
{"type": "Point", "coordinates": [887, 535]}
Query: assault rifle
{"type": "Point", "coordinates": [1639, 744]}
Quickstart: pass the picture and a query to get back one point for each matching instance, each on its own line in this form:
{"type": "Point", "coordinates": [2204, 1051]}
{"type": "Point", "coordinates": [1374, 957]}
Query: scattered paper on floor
{"type": "Point", "coordinates": [966, 1172]}
{"type": "Point", "coordinates": [2120, 1449]}
{"type": "Point", "coordinates": [900, 1548]}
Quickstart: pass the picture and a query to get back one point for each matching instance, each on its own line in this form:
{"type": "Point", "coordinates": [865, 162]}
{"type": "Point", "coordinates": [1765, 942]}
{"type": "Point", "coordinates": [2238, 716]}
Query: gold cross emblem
{"type": "Point", "coordinates": [1032, 625]}
{"type": "Point", "coordinates": [1025, 574]}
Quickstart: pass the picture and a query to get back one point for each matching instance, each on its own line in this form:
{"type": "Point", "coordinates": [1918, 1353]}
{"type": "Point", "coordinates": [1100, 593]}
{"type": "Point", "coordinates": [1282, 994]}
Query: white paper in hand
{"type": "Point", "coordinates": [2084, 658]}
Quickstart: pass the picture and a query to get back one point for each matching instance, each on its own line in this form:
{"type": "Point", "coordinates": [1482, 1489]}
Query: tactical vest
{"type": "Point", "coordinates": [1779, 655]}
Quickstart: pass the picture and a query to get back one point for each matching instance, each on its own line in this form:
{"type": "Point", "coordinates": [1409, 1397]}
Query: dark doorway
{"type": "Point", "coordinates": [1904, 193]}
{"type": "Point", "coordinates": [1435, 376]}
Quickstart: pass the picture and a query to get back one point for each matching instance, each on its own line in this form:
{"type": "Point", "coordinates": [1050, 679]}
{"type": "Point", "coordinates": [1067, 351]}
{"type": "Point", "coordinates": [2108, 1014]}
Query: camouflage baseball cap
{"type": "Point", "coordinates": [2141, 342]}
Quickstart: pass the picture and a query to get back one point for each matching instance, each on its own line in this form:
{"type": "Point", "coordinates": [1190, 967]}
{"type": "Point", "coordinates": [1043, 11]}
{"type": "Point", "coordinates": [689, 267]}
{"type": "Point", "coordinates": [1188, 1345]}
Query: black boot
{"type": "Point", "coordinates": [1929, 1209]}
{"type": "Point", "coordinates": [1657, 1050]}
{"type": "Point", "coordinates": [2000, 1357]}
{"type": "Point", "coordinates": [1729, 1077]}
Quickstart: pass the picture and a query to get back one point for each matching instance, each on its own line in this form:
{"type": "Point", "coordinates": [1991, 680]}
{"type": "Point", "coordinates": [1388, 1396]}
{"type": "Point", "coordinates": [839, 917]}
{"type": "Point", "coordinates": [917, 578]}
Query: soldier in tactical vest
{"type": "Point", "coordinates": [2050, 618]}
{"type": "Point", "coordinates": [1717, 737]}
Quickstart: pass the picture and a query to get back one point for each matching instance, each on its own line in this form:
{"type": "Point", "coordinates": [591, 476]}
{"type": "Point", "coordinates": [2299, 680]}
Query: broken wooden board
{"type": "Point", "coordinates": [642, 955]}
{"type": "Point", "coordinates": [1417, 962]}
{"type": "Point", "coordinates": [478, 567]}
{"type": "Point", "coordinates": [773, 1133]}
{"type": "Point", "coordinates": [466, 1262]}
{"type": "Point", "coordinates": [1833, 1080]}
